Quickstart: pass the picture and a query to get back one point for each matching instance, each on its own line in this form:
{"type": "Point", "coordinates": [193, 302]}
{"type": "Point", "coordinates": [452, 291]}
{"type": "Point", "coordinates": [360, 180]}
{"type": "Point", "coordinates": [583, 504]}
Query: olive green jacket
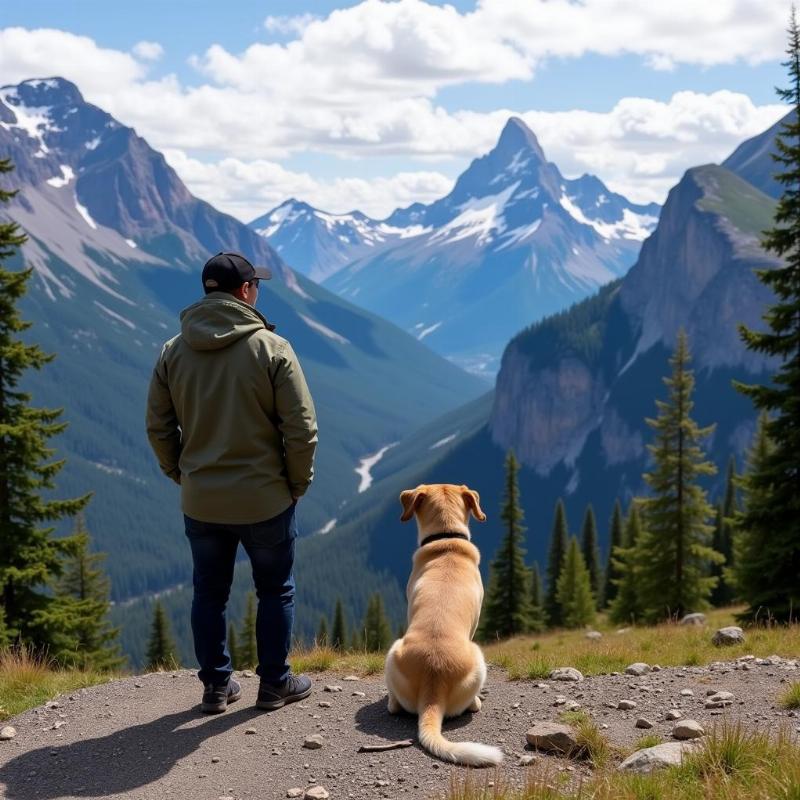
{"type": "Point", "coordinates": [229, 415]}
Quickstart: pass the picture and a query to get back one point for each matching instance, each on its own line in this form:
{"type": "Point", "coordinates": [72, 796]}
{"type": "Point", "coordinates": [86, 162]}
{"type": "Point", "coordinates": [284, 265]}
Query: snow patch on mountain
{"type": "Point", "coordinates": [29, 119]}
{"type": "Point", "coordinates": [114, 315]}
{"type": "Point", "coordinates": [83, 211]}
{"type": "Point", "coordinates": [517, 235]}
{"type": "Point", "coordinates": [327, 527]}
{"type": "Point", "coordinates": [443, 442]}
{"type": "Point", "coordinates": [423, 333]}
{"type": "Point", "coordinates": [324, 330]}
{"type": "Point", "coordinates": [632, 225]}
{"type": "Point", "coordinates": [364, 469]}
{"type": "Point", "coordinates": [480, 217]}
{"type": "Point", "coordinates": [66, 176]}
{"type": "Point", "coordinates": [290, 279]}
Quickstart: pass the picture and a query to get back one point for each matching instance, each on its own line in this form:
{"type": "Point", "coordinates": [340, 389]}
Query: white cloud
{"type": "Point", "coordinates": [148, 51]}
{"type": "Point", "coordinates": [286, 25]}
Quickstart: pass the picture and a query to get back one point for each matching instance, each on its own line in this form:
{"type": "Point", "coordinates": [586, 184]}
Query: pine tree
{"type": "Point", "coordinates": [377, 633]}
{"type": "Point", "coordinates": [674, 552]}
{"type": "Point", "coordinates": [614, 540]}
{"type": "Point", "coordinates": [322, 632]}
{"type": "Point", "coordinates": [722, 541]}
{"type": "Point", "coordinates": [30, 557]}
{"type": "Point", "coordinates": [82, 591]}
{"type": "Point", "coordinates": [339, 632]}
{"type": "Point", "coordinates": [626, 608]}
{"type": "Point", "coordinates": [575, 589]}
{"type": "Point", "coordinates": [161, 648]}
{"type": "Point", "coordinates": [558, 552]}
{"type": "Point", "coordinates": [233, 647]}
{"type": "Point", "coordinates": [772, 515]}
{"type": "Point", "coordinates": [751, 541]}
{"type": "Point", "coordinates": [507, 606]}
{"type": "Point", "coordinates": [248, 647]}
{"type": "Point", "coordinates": [591, 553]}
{"type": "Point", "coordinates": [537, 622]}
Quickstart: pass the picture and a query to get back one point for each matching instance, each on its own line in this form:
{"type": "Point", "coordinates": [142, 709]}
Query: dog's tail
{"type": "Point", "coordinates": [431, 715]}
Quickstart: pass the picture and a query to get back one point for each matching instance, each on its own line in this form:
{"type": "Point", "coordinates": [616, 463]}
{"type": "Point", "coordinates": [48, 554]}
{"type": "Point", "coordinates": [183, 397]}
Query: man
{"type": "Point", "coordinates": [231, 420]}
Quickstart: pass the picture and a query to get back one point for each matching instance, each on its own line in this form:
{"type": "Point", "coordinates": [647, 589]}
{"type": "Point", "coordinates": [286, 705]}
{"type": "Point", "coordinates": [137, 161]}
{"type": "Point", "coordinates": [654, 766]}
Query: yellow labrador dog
{"type": "Point", "coordinates": [435, 670]}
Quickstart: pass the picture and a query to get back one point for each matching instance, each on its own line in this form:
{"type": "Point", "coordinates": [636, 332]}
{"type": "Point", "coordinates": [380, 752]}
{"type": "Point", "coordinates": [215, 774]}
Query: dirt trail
{"type": "Point", "coordinates": [144, 738]}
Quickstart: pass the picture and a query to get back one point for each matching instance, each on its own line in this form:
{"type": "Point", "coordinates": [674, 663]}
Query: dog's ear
{"type": "Point", "coordinates": [411, 500]}
{"type": "Point", "coordinates": [472, 500]}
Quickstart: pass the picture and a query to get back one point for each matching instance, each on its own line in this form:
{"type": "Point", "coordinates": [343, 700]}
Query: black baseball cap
{"type": "Point", "coordinates": [226, 271]}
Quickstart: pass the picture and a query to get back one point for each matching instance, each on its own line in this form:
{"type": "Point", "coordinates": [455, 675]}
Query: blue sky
{"type": "Point", "coordinates": [693, 87]}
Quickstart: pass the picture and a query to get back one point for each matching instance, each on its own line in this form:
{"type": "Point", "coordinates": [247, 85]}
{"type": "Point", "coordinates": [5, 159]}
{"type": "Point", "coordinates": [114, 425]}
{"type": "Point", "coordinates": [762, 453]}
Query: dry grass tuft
{"type": "Point", "coordinates": [791, 697]}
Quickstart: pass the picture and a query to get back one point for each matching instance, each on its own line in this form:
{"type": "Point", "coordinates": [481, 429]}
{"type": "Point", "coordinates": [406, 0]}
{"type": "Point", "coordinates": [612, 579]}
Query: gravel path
{"type": "Point", "coordinates": [144, 738]}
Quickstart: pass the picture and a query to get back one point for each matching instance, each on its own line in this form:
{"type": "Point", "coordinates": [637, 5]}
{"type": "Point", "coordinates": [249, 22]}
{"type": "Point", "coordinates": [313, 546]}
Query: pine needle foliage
{"type": "Point", "coordinates": [507, 609]}
{"type": "Point", "coordinates": [591, 552]}
{"type": "Point", "coordinates": [575, 589]}
{"type": "Point", "coordinates": [233, 647]}
{"type": "Point", "coordinates": [537, 622]}
{"type": "Point", "coordinates": [675, 555]}
{"type": "Point", "coordinates": [30, 557]}
{"type": "Point", "coordinates": [248, 645]}
{"type": "Point", "coordinates": [615, 538]}
{"type": "Point", "coordinates": [161, 648]}
{"type": "Point", "coordinates": [625, 608]}
{"type": "Point", "coordinates": [772, 515]}
{"type": "Point", "coordinates": [377, 633]}
{"type": "Point", "coordinates": [558, 551]}
{"type": "Point", "coordinates": [339, 631]}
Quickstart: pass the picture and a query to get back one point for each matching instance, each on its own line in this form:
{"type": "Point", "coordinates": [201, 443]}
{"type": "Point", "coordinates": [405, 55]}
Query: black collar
{"type": "Point", "coordinates": [435, 537]}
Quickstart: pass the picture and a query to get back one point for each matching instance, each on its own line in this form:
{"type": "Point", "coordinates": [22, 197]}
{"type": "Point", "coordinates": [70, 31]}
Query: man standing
{"type": "Point", "coordinates": [230, 419]}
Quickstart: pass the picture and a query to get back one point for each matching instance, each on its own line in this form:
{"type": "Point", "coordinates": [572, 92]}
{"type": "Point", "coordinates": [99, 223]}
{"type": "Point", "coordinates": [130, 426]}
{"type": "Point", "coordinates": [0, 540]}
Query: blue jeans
{"type": "Point", "coordinates": [270, 546]}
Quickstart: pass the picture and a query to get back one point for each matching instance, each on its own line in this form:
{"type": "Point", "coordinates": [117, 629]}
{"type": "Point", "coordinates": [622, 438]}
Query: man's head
{"type": "Point", "coordinates": [234, 274]}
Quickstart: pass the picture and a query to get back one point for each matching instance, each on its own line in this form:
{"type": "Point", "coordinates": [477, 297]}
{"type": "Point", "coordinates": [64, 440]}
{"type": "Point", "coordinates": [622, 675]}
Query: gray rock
{"type": "Point", "coordinates": [350, 678]}
{"type": "Point", "coordinates": [688, 729]}
{"type": "Point", "coordinates": [669, 754]}
{"type": "Point", "coordinates": [720, 700]}
{"type": "Point", "coordinates": [594, 635]}
{"type": "Point", "coordinates": [358, 694]}
{"type": "Point", "coordinates": [316, 793]}
{"type": "Point", "coordinates": [626, 705]}
{"type": "Point", "coordinates": [639, 668]}
{"type": "Point", "coordinates": [687, 693]}
{"type": "Point", "coordinates": [251, 732]}
{"type": "Point", "coordinates": [566, 674]}
{"type": "Point", "coordinates": [730, 635]}
{"type": "Point", "coordinates": [643, 722]}
{"type": "Point", "coordinates": [333, 688]}
{"type": "Point", "coordinates": [7, 733]}
{"type": "Point", "coordinates": [552, 737]}
{"type": "Point", "coordinates": [694, 619]}
{"type": "Point", "coordinates": [324, 704]}
{"type": "Point", "coordinates": [314, 742]}
{"type": "Point", "coordinates": [296, 792]}
{"type": "Point", "coordinates": [673, 714]}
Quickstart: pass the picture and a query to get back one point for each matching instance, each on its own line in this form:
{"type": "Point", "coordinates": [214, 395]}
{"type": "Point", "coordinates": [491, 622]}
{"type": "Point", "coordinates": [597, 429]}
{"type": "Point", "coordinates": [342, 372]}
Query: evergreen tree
{"type": "Point", "coordinates": [377, 633]}
{"type": "Point", "coordinates": [248, 647]}
{"type": "Point", "coordinates": [339, 632]}
{"type": "Point", "coordinates": [322, 632]}
{"type": "Point", "coordinates": [30, 557]}
{"type": "Point", "coordinates": [772, 515]}
{"type": "Point", "coordinates": [722, 541]}
{"type": "Point", "coordinates": [558, 551]}
{"type": "Point", "coordinates": [507, 606]}
{"type": "Point", "coordinates": [614, 541]}
{"type": "Point", "coordinates": [537, 622]}
{"type": "Point", "coordinates": [233, 647]}
{"type": "Point", "coordinates": [87, 640]}
{"type": "Point", "coordinates": [625, 608]}
{"type": "Point", "coordinates": [674, 553]}
{"type": "Point", "coordinates": [751, 541]}
{"type": "Point", "coordinates": [575, 589]}
{"type": "Point", "coordinates": [161, 648]}
{"type": "Point", "coordinates": [591, 553]}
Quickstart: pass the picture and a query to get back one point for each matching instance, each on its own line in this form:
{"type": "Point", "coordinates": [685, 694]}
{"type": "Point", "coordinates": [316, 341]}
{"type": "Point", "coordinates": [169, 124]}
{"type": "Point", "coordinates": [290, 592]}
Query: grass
{"type": "Point", "coordinates": [648, 740]}
{"type": "Point", "coordinates": [669, 644]}
{"type": "Point", "coordinates": [327, 659]}
{"type": "Point", "coordinates": [791, 697]}
{"type": "Point", "coordinates": [27, 681]}
{"type": "Point", "coordinates": [592, 745]}
{"type": "Point", "coordinates": [734, 764]}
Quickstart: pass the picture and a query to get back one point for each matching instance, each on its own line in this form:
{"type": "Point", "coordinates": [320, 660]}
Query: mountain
{"type": "Point", "coordinates": [319, 244]}
{"type": "Point", "coordinates": [117, 243]}
{"type": "Point", "coordinates": [574, 390]}
{"type": "Point", "coordinates": [513, 242]}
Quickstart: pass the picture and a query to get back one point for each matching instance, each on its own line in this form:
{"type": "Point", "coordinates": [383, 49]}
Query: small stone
{"type": "Point", "coordinates": [350, 678]}
{"type": "Point", "coordinates": [730, 635]}
{"type": "Point", "coordinates": [314, 742]}
{"type": "Point", "coordinates": [643, 722]}
{"type": "Point", "coordinates": [623, 630]}
{"type": "Point", "coordinates": [673, 714]}
{"type": "Point", "coordinates": [688, 729]}
{"type": "Point", "coordinates": [7, 733]}
{"type": "Point", "coordinates": [52, 704]}
{"type": "Point", "coordinates": [250, 732]}
{"type": "Point", "coordinates": [296, 792]}
{"type": "Point", "coordinates": [358, 694]}
{"type": "Point", "coordinates": [552, 737]}
{"type": "Point", "coordinates": [138, 685]}
{"type": "Point", "coordinates": [669, 754]}
{"type": "Point", "coordinates": [594, 635]}
{"type": "Point", "coordinates": [626, 705]}
{"type": "Point", "coordinates": [57, 724]}
{"type": "Point", "coordinates": [215, 759]}
{"type": "Point", "coordinates": [324, 704]}
{"type": "Point", "coordinates": [333, 688]}
{"type": "Point", "coordinates": [694, 619]}
{"type": "Point", "coordinates": [560, 701]}
{"type": "Point", "coordinates": [720, 700]}
{"type": "Point", "coordinates": [248, 673]}
{"type": "Point", "coordinates": [316, 793]}
{"type": "Point", "coordinates": [639, 668]}
{"type": "Point", "coordinates": [526, 760]}
{"type": "Point", "coordinates": [687, 693]}
{"type": "Point", "coordinates": [566, 674]}
{"type": "Point", "coordinates": [573, 706]}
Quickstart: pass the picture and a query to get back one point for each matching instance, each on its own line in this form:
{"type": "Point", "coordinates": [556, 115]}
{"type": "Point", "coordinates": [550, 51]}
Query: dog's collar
{"type": "Point", "coordinates": [435, 537]}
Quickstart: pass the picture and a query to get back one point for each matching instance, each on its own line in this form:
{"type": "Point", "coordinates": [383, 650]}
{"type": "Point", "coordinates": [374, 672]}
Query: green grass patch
{"type": "Point", "coordinates": [648, 740]}
{"type": "Point", "coordinates": [27, 681]}
{"type": "Point", "coordinates": [791, 697]}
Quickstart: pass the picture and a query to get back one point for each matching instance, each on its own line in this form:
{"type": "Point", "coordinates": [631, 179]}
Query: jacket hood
{"type": "Point", "coordinates": [218, 321]}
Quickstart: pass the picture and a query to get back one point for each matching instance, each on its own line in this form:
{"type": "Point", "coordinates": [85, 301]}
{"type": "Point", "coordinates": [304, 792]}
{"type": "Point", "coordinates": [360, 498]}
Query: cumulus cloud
{"type": "Point", "coordinates": [287, 24]}
{"type": "Point", "coordinates": [148, 51]}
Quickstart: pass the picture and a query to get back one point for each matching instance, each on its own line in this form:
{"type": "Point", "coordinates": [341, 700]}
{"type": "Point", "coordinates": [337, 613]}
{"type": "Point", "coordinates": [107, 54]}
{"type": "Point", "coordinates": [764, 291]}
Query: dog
{"type": "Point", "coordinates": [436, 670]}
